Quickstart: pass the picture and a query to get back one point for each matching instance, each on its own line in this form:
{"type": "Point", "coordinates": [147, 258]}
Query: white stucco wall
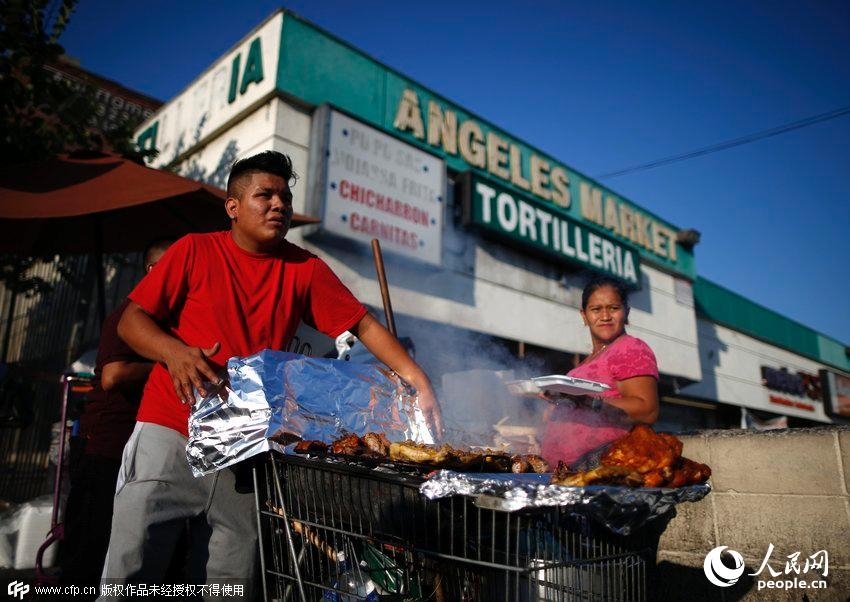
{"type": "Point", "coordinates": [731, 371]}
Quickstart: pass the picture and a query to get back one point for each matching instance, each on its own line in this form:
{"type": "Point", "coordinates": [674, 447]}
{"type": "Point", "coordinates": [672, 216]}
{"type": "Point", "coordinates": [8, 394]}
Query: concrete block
{"type": "Point", "coordinates": [844, 446]}
{"type": "Point", "coordinates": [692, 530]}
{"type": "Point", "coordinates": [799, 463]}
{"type": "Point", "coordinates": [696, 448]}
{"type": "Point", "coordinates": [750, 523]}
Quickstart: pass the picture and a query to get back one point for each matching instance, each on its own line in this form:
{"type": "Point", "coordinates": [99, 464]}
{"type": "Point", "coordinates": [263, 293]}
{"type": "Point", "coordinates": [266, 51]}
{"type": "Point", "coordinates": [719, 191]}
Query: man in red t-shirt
{"type": "Point", "coordinates": [210, 298]}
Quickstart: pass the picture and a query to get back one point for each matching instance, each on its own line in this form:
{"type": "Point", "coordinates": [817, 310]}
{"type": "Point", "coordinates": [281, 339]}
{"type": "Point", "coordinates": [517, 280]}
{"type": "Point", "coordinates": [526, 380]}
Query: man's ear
{"type": "Point", "coordinates": [231, 206]}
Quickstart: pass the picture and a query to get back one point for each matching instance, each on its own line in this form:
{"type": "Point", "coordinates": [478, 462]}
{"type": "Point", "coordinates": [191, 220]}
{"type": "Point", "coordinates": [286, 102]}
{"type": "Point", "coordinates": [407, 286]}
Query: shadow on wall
{"type": "Point", "coordinates": [674, 579]}
{"type": "Point", "coordinates": [710, 349]}
{"type": "Point", "coordinates": [217, 177]}
{"type": "Point", "coordinates": [641, 299]}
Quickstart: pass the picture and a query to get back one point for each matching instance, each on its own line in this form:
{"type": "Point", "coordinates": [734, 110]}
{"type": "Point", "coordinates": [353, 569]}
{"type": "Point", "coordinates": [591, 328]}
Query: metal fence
{"type": "Point", "coordinates": [41, 334]}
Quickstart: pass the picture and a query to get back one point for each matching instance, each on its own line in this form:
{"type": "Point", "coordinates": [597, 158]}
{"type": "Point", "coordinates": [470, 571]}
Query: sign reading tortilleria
{"type": "Point", "coordinates": [380, 187]}
{"type": "Point", "coordinates": [524, 221]}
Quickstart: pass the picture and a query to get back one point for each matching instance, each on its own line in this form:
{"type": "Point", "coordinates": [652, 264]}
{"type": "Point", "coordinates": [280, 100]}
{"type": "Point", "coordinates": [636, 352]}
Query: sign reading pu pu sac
{"type": "Point", "coordinates": [527, 171]}
{"type": "Point", "coordinates": [531, 224]}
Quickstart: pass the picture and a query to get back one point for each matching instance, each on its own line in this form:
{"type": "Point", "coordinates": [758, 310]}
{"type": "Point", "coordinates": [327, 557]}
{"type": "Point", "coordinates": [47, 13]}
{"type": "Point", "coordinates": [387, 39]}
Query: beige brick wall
{"type": "Point", "coordinates": [789, 488]}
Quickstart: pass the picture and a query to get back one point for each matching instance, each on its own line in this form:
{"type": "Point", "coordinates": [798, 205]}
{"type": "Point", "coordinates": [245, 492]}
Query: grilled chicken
{"type": "Point", "coordinates": [529, 463]}
{"type": "Point", "coordinates": [377, 443]}
{"type": "Point", "coordinates": [643, 450]}
{"type": "Point", "coordinates": [419, 453]}
{"type": "Point", "coordinates": [604, 475]}
{"type": "Point", "coordinates": [688, 472]}
{"type": "Point", "coordinates": [642, 458]}
{"type": "Point", "coordinates": [348, 445]}
{"type": "Point", "coordinates": [307, 446]}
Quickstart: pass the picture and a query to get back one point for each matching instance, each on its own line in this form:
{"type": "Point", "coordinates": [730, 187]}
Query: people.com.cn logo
{"type": "Point", "coordinates": [720, 574]}
{"type": "Point", "coordinates": [18, 588]}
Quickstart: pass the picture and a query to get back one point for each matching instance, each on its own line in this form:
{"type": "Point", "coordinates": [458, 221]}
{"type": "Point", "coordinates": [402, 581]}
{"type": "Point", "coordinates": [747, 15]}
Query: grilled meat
{"type": "Point", "coordinates": [348, 445]}
{"type": "Point", "coordinates": [377, 443]}
{"type": "Point", "coordinates": [519, 465]}
{"type": "Point", "coordinates": [307, 446]}
{"type": "Point", "coordinates": [419, 453]}
{"type": "Point", "coordinates": [495, 461]}
{"type": "Point", "coordinates": [463, 460]}
{"type": "Point", "coordinates": [688, 472]}
{"type": "Point", "coordinates": [378, 447]}
{"type": "Point", "coordinates": [643, 450]}
{"type": "Point", "coordinates": [604, 475]}
{"type": "Point", "coordinates": [529, 463]}
{"type": "Point", "coordinates": [643, 458]}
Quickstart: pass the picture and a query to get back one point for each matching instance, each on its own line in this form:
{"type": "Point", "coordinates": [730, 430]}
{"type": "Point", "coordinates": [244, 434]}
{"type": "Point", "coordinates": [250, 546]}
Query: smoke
{"type": "Point", "coordinates": [469, 371]}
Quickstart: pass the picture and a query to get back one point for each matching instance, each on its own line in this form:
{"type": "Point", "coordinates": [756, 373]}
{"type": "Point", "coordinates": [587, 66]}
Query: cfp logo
{"type": "Point", "coordinates": [720, 574]}
{"type": "Point", "coordinates": [18, 588]}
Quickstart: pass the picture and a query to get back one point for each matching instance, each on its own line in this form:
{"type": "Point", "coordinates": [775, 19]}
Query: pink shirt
{"type": "Point", "coordinates": [572, 432]}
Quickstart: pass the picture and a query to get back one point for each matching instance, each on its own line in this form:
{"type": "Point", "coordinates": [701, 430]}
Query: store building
{"type": "Point", "coordinates": [488, 240]}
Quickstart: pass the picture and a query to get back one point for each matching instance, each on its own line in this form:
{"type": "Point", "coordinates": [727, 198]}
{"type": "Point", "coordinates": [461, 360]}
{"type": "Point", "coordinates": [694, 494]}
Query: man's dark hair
{"type": "Point", "coordinates": [271, 162]}
{"type": "Point", "coordinates": [598, 282]}
{"type": "Point", "coordinates": [159, 244]}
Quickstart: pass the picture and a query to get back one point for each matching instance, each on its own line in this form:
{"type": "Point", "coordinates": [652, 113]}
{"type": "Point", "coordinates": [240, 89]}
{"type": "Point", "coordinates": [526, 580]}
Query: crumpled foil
{"type": "Point", "coordinates": [620, 509]}
{"type": "Point", "coordinates": [274, 397]}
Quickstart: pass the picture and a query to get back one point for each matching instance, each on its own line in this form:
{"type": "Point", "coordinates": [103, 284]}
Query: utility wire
{"type": "Point", "coordinates": [796, 125]}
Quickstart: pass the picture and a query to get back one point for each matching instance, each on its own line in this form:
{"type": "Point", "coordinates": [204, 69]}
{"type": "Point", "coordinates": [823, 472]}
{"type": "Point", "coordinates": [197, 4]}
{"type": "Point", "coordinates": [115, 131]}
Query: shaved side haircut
{"type": "Point", "coordinates": [271, 162]}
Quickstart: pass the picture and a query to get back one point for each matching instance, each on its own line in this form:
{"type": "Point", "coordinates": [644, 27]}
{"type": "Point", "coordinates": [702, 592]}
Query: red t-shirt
{"type": "Point", "coordinates": [206, 289]}
{"type": "Point", "coordinates": [574, 431]}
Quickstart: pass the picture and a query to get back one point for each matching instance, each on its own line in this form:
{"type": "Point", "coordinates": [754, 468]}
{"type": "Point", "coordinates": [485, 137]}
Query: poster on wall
{"type": "Point", "coordinates": [837, 393]}
{"type": "Point", "coordinates": [376, 186]}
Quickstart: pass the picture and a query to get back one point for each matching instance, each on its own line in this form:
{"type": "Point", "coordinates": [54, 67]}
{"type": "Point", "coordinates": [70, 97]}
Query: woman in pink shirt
{"type": "Point", "coordinates": [617, 359]}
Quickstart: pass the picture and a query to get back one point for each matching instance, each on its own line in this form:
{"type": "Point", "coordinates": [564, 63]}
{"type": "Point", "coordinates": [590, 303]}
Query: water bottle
{"type": "Point", "coordinates": [351, 581]}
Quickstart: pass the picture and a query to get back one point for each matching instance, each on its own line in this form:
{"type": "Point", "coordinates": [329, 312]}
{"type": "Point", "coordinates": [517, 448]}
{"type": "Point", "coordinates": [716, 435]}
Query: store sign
{"type": "Point", "coordinates": [377, 186]}
{"type": "Point", "coordinates": [528, 172]}
{"type": "Point", "coordinates": [233, 84]}
{"type": "Point", "coordinates": [531, 224]}
{"type": "Point", "coordinates": [801, 384]}
{"type": "Point", "coordinates": [837, 393]}
{"type": "Point", "coordinates": [791, 389]}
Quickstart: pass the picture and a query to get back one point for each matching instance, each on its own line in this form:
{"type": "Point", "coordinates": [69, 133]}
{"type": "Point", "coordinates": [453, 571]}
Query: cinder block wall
{"type": "Point", "coordinates": [789, 488]}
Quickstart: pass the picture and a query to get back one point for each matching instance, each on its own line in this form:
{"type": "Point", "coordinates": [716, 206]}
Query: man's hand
{"type": "Point", "coordinates": [386, 348]}
{"type": "Point", "coordinates": [431, 410]}
{"type": "Point", "coordinates": [188, 366]}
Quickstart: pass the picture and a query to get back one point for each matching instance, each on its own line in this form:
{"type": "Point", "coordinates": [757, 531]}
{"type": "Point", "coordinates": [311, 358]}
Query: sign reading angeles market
{"type": "Point", "coordinates": [527, 171]}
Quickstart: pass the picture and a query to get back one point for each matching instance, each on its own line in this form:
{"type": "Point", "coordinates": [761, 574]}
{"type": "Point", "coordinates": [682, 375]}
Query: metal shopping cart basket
{"type": "Point", "coordinates": [339, 530]}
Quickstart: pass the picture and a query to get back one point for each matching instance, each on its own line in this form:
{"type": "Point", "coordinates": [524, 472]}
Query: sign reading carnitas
{"type": "Point", "coordinates": [380, 187]}
{"type": "Point", "coordinates": [527, 222]}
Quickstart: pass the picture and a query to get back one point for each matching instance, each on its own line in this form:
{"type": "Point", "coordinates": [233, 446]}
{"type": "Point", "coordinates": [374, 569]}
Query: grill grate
{"type": "Point", "coordinates": [411, 548]}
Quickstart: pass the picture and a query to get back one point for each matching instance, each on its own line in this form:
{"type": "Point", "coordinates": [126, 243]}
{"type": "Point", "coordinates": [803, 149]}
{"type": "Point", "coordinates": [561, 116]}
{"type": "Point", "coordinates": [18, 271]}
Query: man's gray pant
{"type": "Point", "coordinates": [155, 496]}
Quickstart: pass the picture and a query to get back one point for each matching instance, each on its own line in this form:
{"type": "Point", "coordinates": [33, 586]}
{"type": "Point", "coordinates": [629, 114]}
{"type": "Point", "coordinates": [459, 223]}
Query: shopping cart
{"type": "Point", "coordinates": [74, 389]}
{"type": "Point", "coordinates": [341, 531]}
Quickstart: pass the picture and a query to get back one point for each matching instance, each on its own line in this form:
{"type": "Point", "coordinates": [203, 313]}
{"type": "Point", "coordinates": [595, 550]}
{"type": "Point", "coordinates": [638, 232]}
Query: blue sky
{"type": "Point", "coordinates": [600, 87]}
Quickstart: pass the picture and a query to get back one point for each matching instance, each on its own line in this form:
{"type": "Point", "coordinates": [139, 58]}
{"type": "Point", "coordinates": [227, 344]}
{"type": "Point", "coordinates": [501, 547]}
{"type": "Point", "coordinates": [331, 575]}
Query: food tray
{"type": "Point", "coordinates": [556, 383]}
{"type": "Point", "coordinates": [568, 385]}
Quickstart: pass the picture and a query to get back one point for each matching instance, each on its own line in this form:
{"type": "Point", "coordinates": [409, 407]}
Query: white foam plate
{"type": "Point", "coordinates": [568, 385]}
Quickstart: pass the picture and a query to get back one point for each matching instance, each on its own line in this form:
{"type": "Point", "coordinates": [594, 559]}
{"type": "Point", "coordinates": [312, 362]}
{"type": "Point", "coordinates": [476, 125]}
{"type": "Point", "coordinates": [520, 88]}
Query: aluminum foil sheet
{"type": "Point", "coordinates": [623, 510]}
{"type": "Point", "coordinates": [274, 397]}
